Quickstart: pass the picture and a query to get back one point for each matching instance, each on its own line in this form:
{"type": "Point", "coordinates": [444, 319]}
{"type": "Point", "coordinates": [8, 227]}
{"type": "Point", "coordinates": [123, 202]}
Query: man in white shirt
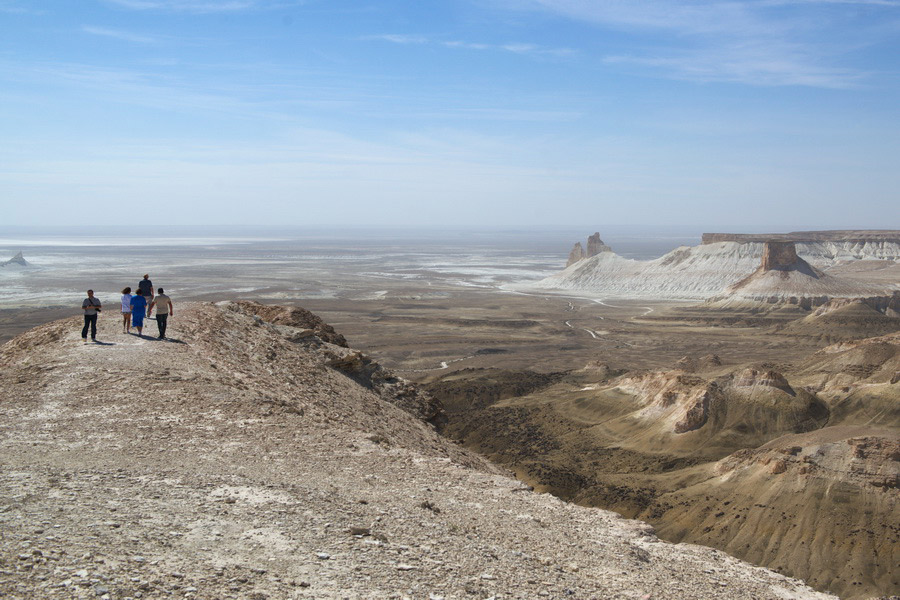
{"type": "Point", "coordinates": [164, 308]}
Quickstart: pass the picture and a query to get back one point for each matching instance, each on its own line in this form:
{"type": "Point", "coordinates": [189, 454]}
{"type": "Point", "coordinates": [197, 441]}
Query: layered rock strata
{"type": "Point", "coordinates": [844, 236]}
{"type": "Point", "coordinates": [703, 272]}
{"type": "Point", "coordinates": [784, 277]}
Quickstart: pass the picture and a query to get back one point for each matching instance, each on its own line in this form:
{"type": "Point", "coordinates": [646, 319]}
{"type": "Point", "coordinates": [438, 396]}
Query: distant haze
{"type": "Point", "coordinates": [629, 241]}
{"type": "Point", "coordinates": [738, 115]}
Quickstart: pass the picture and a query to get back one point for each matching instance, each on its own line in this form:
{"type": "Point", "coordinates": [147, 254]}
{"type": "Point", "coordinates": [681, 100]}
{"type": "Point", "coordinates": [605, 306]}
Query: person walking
{"type": "Point", "coordinates": [146, 286]}
{"type": "Point", "coordinates": [138, 306]}
{"type": "Point", "coordinates": [91, 307]}
{"type": "Point", "coordinates": [126, 310]}
{"type": "Point", "coordinates": [164, 310]}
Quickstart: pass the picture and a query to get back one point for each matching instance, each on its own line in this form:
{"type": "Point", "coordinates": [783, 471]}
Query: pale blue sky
{"type": "Point", "coordinates": [775, 114]}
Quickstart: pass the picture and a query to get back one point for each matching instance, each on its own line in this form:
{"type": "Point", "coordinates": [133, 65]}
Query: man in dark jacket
{"type": "Point", "coordinates": [146, 286]}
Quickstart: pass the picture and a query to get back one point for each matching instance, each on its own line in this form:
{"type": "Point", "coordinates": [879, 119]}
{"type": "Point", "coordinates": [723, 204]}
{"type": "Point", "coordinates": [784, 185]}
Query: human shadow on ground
{"type": "Point", "coordinates": [154, 338]}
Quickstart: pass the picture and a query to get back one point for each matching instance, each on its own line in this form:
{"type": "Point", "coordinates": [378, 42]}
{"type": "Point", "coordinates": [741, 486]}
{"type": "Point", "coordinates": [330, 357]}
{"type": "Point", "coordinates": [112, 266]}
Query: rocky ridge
{"type": "Point", "coordinates": [675, 411]}
{"type": "Point", "coordinates": [845, 319]}
{"type": "Point", "coordinates": [301, 326]}
{"type": "Point", "coordinates": [886, 305]}
{"type": "Point", "coordinates": [234, 462]}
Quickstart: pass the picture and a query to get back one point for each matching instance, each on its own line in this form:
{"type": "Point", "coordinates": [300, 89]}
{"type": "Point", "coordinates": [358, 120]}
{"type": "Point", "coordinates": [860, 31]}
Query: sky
{"type": "Point", "coordinates": [732, 115]}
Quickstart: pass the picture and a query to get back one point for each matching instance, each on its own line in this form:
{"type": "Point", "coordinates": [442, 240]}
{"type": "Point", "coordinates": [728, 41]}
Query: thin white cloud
{"type": "Point", "coordinates": [13, 7]}
{"type": "Point", "coordinates": [517, 48]}
{"type": "Point", "coordinates": [119, 35]}
{"type": "Point", "coordinates": [762, 70]}
{"type": "Point", "coordinates": [748, 41]}
{"type": "Point", "coordinates": [691, 18]}
{"type": "Point", "coordinates": [204, 6]}
{"type": "Point", "coordinates": [886, 3]}
{"type": "Point", "coordinates": [536, 50]}
{"type": "Point", "coordinates": [466, 45]}
{"type": "Point", "coordinates": [396, 38]}
{"type": "Point", "coordinates": [510, 114]}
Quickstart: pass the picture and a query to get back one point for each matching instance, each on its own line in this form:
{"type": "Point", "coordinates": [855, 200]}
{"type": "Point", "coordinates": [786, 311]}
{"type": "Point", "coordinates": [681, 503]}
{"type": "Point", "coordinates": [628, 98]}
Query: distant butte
{"type": "Point", "coordinates": [18, 259]}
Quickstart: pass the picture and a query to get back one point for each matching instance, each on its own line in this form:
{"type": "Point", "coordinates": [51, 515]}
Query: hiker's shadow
{"type": "Point", "coordinates": [104, 343]}
{"type": "Point", "coordinates": [153, 338]}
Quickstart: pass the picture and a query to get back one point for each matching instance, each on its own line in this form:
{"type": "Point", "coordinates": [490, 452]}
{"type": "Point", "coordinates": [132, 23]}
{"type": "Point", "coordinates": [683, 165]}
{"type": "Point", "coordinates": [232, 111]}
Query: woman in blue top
{"type": "Point", "coordinates": [138, 308]}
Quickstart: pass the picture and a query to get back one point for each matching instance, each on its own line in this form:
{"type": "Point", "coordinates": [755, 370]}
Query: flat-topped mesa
{"type": "Point", "coordinates": [784, 278]}
{"type": "Point", "coordinates": [852, 235]}
{"type": "Point", "coordinates": [780, 256]}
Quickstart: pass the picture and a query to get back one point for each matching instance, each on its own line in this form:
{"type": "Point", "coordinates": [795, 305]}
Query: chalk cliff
{"type": "Point", "coordinates": [704, 271]}
{"type": "Point", "coordinates": [784, 277]}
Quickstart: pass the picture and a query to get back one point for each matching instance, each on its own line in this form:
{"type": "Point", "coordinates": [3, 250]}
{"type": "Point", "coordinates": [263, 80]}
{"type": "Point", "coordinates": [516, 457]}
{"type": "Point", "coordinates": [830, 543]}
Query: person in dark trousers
{"type": "Point", "coordinates": [146, 286]}
{"type": "Point", "coordinates": [164, 309]}
{"type": "Point", "coordinates": [91, 307]}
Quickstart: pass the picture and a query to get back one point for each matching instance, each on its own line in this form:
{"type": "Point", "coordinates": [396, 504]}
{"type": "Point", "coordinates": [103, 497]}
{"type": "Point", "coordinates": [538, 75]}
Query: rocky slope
{"type": "Point", "coordinates": [781, 491]}
{"type": "Point", "coordinates": [784, 278]}
{"type": "Point", "coordinates": [234, 462]}
{"type": "Point", "coordinates": [849, 319]}
{"type": "Point", "coordinates": [859, 379]}
{"type": "Point", "coordinates": [793, 466]}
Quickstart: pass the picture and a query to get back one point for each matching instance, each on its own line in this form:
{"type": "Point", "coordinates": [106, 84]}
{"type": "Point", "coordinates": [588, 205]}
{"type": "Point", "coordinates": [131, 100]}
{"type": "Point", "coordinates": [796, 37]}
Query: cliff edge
{"type": "Point", "coordinates": [846, 235]}
{"type": "Point", "coordinates": [234, 462]}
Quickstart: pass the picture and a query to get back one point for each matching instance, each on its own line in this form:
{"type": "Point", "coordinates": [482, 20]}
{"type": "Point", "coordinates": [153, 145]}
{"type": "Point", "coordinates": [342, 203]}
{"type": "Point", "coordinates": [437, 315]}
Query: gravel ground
{"type": "Point", "coordinates": [232, 463]}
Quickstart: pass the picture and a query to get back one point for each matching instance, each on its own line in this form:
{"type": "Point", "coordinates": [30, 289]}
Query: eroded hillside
{"type": "Point", "coordinates": [254, 456]}
{"type": "Point", "coordinates": [792, 466]}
